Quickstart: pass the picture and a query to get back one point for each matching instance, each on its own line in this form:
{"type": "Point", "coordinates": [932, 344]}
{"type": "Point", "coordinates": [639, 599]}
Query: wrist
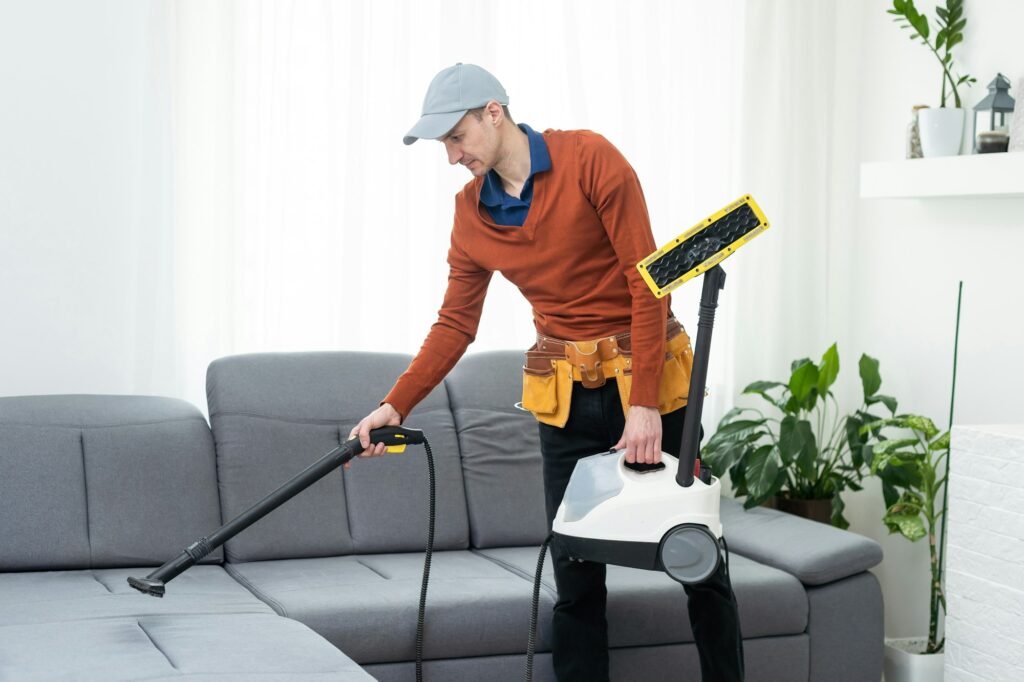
{"type": "Point", "coordinates": [393, 413]}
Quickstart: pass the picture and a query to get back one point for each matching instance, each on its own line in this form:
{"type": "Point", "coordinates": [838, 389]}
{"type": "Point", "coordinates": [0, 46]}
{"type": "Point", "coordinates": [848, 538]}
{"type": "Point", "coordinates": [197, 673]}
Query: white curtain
{"type": "Point", "coordinates": [789, 283]}
{"type": "Point", "coordinates": [304, 223]}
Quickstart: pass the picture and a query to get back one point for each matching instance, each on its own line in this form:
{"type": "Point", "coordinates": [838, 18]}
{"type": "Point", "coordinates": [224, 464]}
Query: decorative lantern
{"type": "Point", "coordinates": [997, 104]}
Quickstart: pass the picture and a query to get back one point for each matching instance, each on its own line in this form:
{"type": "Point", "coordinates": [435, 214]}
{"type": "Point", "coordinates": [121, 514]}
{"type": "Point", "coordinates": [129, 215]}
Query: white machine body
{"type": "Point", "coordinates": [606, 501]}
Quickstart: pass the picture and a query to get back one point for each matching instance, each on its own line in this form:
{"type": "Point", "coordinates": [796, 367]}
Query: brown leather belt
{"type": "Point", "coordinates": [586, 356]}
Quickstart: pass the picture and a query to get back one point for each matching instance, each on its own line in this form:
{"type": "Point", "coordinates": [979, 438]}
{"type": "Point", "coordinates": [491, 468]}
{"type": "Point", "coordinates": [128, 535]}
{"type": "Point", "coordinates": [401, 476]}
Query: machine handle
{"type": "Point", "coordinates": [395, 437]}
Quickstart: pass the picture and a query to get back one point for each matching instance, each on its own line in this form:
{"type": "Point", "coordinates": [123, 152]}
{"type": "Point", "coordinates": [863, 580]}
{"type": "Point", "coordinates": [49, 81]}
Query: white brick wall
{"type": "Point", "coordinates": [985, 555]}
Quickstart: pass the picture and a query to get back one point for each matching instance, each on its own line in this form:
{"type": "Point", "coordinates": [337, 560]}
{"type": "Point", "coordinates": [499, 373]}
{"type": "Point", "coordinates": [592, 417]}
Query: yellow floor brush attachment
{"type": "Point", "coordinates": [703, 246]}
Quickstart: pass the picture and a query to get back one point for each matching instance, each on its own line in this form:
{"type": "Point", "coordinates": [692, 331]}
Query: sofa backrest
{"type": "Point", "coordinates": [500, 445]}
{"type": "Point", "coordinates": [273, 414]}
{"type": "Point", "coordinates": [90, 481]}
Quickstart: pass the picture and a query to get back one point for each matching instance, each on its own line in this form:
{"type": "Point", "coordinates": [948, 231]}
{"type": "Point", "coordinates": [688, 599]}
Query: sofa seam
{"type": "Point", "coordinates": [267, 599]}
{"type": "Point", "coordinates": [82, 427]}
{"type": "Point", "coordinates": [85, 491]}
{"type": "Point", "coordinates": [515, 570]}
{"type": "Point", "coordinates": [296, 420]}
{"type": "Point", "coordinates": [462, 468]}
{"type": "Point", "coordinates": [155, 645]}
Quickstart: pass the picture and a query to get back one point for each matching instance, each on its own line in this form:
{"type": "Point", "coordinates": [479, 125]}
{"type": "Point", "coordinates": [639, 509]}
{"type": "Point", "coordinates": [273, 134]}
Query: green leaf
{"type": "Point", "coordinates": [790, 442]}
{"type": "Point", "coordinates": [829, 369]}
{"type": "Point", "coordinates": [889, 494]}
{"type": "Point", "coordinates": [887, 400]}
{"type": "Point", "coordinates": [762, 471]}
{"type": "Point", "coordinates": [888, 446]}
{"type": "Point", "coordinates": [940, 443]}
{"type": "Point", "coordinates": [762, 386]}
{"type": "Point", "coordinates": [838, 520]}
{"type": "Point", "coordinates": [725, 458]}
{"type": "Point", "coordinates": [803, 381]}
{"type": "Point", "coordinates": [869, 377]}
{"type": "Point", "coordinates": [909, 526]}
{"type": "Point", "coordinates": [734, 412]}
{"type": "Point", "coordinates": [807, 458]}
{"type": "Point", "coordinates": [733, 431]}
{"type": "Point", "coordinates": [922, 424]}
{"type": "Point", "coordinates": [904, 516]}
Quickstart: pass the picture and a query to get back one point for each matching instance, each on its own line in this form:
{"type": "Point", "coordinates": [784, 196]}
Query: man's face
{"type": "Point", "coordinates": [472, 143]}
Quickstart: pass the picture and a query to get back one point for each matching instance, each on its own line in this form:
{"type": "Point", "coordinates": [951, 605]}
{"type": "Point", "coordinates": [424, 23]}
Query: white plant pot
{"type": "Point", "coordinates": [942, 131]}
{"type": "Point", "coordinates": [904, 661]}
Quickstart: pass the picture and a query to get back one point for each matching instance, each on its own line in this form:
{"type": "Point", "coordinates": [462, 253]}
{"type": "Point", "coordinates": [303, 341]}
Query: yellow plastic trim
{"type": "Point", "coordinates": [661, 292]}
{"type": "Point", "coordinates": [396, 449]}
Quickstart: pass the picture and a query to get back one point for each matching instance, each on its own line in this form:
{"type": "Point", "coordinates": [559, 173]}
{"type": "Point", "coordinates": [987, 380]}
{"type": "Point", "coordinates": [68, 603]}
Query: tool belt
{"type": "Point", "coordinates": [552, 365]}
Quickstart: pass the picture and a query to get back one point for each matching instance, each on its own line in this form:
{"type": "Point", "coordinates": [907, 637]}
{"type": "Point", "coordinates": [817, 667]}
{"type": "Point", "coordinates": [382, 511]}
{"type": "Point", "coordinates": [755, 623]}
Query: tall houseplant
{"type": "Point", "coordinates": [812, 451]}
{"type": "Point", "coordinates": [941, 128]}
{"type": "Point", "coordinates": [910, 468]}
{"type": "Point", "coordinates": [914, 471]}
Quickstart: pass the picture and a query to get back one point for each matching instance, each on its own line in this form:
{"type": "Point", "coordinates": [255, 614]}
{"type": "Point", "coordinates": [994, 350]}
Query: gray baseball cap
{"type": "Point", "coordinates": [451, 94]}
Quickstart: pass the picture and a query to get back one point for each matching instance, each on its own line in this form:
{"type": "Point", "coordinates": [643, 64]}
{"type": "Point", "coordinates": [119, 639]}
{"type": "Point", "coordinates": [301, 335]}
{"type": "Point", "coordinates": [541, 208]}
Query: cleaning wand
{"type": "Point", "coordinates": [395, 437]}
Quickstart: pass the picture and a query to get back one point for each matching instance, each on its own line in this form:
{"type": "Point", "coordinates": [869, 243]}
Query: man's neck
{"type": "Point", "coordinates": [514, 166]}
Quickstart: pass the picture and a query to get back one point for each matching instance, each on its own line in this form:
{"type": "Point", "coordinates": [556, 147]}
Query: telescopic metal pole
{"type": "Point", "coordinates": [714, 281]}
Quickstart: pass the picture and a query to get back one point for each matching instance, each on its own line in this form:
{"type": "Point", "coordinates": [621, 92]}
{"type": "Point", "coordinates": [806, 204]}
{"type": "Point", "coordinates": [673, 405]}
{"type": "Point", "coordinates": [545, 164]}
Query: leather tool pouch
{"type": "Point", "coordinates": [547, 386]}
{"type": "Point", "coordinates": [548, 374]}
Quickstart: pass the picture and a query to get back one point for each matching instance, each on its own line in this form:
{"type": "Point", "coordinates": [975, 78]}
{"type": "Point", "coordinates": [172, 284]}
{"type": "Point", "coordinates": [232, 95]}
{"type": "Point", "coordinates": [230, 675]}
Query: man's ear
{"type": "Point", "coordinates": [495, 114]}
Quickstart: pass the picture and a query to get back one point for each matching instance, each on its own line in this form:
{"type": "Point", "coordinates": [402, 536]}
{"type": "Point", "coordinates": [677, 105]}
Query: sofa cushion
{"type": "Point", "coordinates": [367, 605]}
{"type": "Point", "coordinates": [648, 607]}
{"type": "Point", "coordinates": [98, 481]}
{"type": "Point", "coordinates": [816, 553]}
{"type": "Point", "coordinates": [174, 647]}
{"type": "Point", "coordinates": [501, 461]}
{"type": "Point", "coordinates": [52, 596]}
{"type": "Point", "coordinates": [275, 413]}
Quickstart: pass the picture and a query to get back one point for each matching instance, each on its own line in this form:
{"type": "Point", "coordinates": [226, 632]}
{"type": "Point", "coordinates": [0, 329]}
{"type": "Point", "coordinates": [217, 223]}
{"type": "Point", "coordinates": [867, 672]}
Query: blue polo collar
{"type": "Point", "coordinates": [492, 194]}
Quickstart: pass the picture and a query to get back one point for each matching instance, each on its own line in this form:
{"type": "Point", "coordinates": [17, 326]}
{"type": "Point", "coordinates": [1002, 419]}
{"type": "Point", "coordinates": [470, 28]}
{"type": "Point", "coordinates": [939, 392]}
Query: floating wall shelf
{"type": "Point", "coordinates": [975, 175]}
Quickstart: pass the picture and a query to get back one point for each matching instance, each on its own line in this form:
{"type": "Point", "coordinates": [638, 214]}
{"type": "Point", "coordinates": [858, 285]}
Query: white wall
{"type": "Point", "coordinates": [906, 256]}
{"type": "Point", "coordinates": [84, 196]}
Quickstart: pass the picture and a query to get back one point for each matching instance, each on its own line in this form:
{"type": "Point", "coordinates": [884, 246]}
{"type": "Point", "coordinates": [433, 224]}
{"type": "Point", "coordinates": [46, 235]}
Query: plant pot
{"type": "Point", "coordinates": [904, 661]}
{"type": "Point", "coordinates": [942, 131]}
{"type": "Point", "coordinates": [815, 510]}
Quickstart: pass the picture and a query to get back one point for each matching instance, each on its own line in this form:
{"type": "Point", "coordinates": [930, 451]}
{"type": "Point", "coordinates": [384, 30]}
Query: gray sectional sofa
{"type": "Point", "coordinates": [96, 488]}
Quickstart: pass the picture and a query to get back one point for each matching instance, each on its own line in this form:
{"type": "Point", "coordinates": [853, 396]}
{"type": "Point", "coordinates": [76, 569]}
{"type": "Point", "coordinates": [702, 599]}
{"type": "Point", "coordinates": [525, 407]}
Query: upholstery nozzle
{"type": "Point", "coordinates": [154, 588]}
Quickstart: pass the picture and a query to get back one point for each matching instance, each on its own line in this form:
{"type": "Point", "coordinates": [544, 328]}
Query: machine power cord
{"type": "Point", "coordinates": [426, 565]}
{"type": "Point", "coordinates": [532, 643]}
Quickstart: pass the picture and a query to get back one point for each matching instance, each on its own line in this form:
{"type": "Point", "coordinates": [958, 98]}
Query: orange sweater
{"type": "Point", "coordinates": [574, 259]}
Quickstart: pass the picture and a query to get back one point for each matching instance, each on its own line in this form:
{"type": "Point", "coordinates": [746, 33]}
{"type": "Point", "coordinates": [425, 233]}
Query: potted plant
{"type": "Point", "coordinates": [941, 128]}
{"type": "Point", "coordinates": [807, 456]}
{"type": "Point", "coordinates": [912, 481]}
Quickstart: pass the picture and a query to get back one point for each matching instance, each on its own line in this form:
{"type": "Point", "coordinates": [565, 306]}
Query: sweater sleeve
{"type": "Point", "coordinates": [455, 329]}
{"type": "Point", "coordinates": [612, 187]}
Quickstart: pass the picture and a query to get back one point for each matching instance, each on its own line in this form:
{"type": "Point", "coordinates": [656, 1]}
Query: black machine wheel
{"type": "Point", "coordinates": [689, 553]}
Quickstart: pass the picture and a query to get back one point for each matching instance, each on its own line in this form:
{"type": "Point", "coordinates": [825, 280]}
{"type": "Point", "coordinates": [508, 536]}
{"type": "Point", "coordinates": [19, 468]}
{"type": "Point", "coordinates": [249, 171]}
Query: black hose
{"type": "Point", "coordinates": [426, 565]}
{"type": "Point", "coordinates": [531, 644]}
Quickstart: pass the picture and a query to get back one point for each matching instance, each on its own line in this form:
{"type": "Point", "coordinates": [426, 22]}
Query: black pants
{"type": "Point", "coordinates": [580, 636]}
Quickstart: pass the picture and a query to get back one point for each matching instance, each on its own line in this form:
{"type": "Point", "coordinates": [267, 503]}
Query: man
{"type": "Point", "coordinates": [562, 215]}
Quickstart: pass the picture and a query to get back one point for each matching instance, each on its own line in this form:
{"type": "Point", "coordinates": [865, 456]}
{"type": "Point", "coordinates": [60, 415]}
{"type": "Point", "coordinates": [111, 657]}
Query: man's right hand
{"type": "Point", "coordinates": [385, 415]}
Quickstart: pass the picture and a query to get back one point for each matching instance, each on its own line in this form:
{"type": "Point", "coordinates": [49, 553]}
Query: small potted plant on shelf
{"type": "Point", "coordinates": [803, 459]}
{"type": "Point", "coordinates": [910, 467]}
{"type": "Point", "coordinates": [941, 128]}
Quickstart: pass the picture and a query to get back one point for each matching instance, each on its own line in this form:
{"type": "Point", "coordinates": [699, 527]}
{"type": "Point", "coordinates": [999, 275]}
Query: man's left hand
{"type": "Point", "coordinates": [642, 435]}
